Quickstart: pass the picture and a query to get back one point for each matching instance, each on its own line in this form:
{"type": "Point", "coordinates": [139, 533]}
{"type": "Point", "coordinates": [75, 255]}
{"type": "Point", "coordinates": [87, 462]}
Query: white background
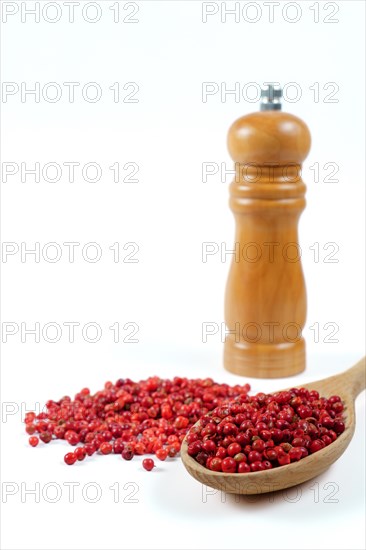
{"type": "Point", "coordinates": [169, 52]}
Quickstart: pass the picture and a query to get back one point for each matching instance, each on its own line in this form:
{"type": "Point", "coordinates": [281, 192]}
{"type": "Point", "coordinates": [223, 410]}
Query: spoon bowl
{"type": "Point", "coordinates": [347, 385]}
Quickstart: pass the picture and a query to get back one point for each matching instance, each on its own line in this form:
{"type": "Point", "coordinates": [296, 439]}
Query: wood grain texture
{"type": "Point", "coordinates": [347, 385]}
{"type": "Point", "coordinates": [265, 301]}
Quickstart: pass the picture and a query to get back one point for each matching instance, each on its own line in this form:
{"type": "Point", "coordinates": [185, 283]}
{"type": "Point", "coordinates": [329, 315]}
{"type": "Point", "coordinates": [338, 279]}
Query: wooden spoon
{"type": "Point", "coordinates": [347, 385]}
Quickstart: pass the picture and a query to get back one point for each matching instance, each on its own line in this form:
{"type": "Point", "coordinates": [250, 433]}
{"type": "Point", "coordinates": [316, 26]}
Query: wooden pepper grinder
{"type": "Point", "coordinates": [265, 304]}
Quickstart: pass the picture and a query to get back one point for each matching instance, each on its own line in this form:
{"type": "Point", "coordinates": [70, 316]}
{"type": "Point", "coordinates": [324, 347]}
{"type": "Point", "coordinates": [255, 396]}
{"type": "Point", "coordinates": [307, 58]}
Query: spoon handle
{"type": "Point", "coordinates": [355, 377]}
{"type": "Point", "coordinates": [353, 381]}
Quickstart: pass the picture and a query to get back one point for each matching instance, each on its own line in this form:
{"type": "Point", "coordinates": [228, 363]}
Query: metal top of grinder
{"type": "Point", "coordinates": [271, 99]}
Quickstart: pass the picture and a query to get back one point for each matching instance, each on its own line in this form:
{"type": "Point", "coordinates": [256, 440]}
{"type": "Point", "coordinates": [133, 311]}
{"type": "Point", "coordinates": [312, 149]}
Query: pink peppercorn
{"type": "Point", "coordinates": [267, 431]}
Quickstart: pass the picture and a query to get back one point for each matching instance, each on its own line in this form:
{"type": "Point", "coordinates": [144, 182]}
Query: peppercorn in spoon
{"type": "Point", "coordinates": [347, 385]}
